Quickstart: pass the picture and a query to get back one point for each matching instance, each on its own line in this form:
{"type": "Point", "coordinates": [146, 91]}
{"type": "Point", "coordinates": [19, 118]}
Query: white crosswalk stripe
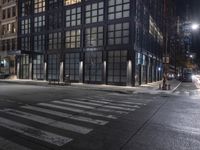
{"type": "Point", "coordinates": [77, 110]}
{"type": "Point", "coordinates": [34, 132]}
{"type": "Point", "coordinates": [106, 101]}
{"type": "Point", "coordinates": [9, 145]}
{"type": "Point", "coordinates": [91, 107]}
{"type": "Point", "coordinates": [66, 115]}
{"type": "Point", "coordinates": [48, 121]}
{"type": "Point", "coordinates": [97, 104]}
{"type": "Point", "coordinates": [85, 111]}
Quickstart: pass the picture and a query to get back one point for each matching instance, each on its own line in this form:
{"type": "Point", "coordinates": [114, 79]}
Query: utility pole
{"type": "Point", "coordinates": [164, 87]}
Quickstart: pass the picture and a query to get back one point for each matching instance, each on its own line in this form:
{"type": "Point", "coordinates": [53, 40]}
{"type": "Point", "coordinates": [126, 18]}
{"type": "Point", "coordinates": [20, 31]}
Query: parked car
{"type": "Point", "coordinates": [187, 77]}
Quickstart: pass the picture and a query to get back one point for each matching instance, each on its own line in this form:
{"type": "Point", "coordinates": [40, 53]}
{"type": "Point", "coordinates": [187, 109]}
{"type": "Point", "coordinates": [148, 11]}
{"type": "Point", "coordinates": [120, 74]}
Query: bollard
{"type": "Point", "coordinates": [160, 87]}
{"type": "Point", "coordinates": [169, 87]}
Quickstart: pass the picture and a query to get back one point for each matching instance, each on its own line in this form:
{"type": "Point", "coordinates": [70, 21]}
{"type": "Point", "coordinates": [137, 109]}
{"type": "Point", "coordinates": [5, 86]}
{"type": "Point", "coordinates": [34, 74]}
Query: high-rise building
{"type": "Point", "coordinates": [8, 36]}
{"type": "Point", "coordinates": [104, 41]}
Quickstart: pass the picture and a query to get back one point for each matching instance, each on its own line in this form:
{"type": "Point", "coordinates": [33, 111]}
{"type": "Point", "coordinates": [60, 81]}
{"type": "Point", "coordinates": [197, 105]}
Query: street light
{"type": "Point", "coordinates": [195, 26]}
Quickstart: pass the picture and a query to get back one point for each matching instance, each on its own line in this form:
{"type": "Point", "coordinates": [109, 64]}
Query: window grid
{"type": "Point", "coordinates": [39, 43]}
{"type": "Point", "coordinates": [117, 66]}
{"type": "Point", "coordinates": [118, 9]}
{"type": "Point", "coordinates": [72, 66]}
{"type": "Point", "coordinates": [54, 40]}
{"type": "Point", "coordinates": [25, 43]}
{"type": "Point", "coordinates": [94, 12]}
{"type": "Point", "coordinates": [26, 8]}
{"type": "Point", "coordinates": [53, 67]}
{"type": "Point", "coordinates": [38, 67]}
{"type": "Point", "coordinates": [25, 26]}
{"type": "Point", "coordinates": [94, 36]}
{"type": "Point", "coordinates": [118, 34]}
{"type": "Point", "coordinates": [72, 39]}
{"type": "Point", "coordinates": [93, 66]}
{"type": "Point", "coordinates": [39, 23]}
{"type": "Point", "coordinates": [39, 6]}
{"type": "Point", "coordinates": [73, 17]}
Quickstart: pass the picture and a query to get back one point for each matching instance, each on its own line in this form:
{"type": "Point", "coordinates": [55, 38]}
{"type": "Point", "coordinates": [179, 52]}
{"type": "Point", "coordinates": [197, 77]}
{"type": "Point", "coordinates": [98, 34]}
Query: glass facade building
{"type": "Point", "coordinates": [116, 42]}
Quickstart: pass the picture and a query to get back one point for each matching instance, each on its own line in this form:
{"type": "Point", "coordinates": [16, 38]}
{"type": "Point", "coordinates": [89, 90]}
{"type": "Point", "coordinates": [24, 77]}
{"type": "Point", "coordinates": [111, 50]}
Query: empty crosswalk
{"type": "Point", "coordinates": [58, 122]}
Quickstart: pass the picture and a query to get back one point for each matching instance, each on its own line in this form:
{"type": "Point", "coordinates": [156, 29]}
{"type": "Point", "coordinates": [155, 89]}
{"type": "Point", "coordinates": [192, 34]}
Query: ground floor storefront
{"type": "Point", "coordinates": [113, 67]}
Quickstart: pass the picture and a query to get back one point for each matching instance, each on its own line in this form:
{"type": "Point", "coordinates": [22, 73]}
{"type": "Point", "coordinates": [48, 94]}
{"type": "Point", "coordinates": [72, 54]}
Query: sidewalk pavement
{"type": "Point", "coordinates": [152, 88]}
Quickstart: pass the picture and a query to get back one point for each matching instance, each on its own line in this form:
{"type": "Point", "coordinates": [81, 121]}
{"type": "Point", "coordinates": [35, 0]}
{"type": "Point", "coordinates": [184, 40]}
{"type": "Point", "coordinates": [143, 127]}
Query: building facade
{"type": "Point", "coordinates": [8, 36]}
{"type": "Point", "coordinates": [102, 42]}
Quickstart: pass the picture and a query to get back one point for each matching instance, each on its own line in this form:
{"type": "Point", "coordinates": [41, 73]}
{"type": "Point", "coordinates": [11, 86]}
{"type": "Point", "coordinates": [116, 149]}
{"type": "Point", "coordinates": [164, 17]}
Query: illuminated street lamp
{"type": "Point", "coordinates": [195, 26]}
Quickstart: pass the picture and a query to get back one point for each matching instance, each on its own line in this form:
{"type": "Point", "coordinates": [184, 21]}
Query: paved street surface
{"type": "Point", "coordinates": [34, 117]}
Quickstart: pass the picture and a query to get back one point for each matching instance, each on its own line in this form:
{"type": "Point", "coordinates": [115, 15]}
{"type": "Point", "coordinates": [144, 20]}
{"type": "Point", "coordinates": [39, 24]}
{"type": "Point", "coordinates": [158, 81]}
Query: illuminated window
{"type": "Point", "coordinates": [71, 2]}
{"type": "Point", "coordinates": [39, 6]}
{"type": "Point", "coordinates": [72, 39]}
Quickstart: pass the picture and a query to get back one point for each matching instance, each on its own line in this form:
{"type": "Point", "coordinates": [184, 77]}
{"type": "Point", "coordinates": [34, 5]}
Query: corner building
{"type": "Point", "coordinates": [8, 37]}
{"type": "Point", "coordinates": [102, 42]}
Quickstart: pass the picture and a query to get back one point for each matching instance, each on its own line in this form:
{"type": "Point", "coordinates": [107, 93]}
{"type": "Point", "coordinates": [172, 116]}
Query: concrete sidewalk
{"type": "Point", "coordinates": [152, 88]}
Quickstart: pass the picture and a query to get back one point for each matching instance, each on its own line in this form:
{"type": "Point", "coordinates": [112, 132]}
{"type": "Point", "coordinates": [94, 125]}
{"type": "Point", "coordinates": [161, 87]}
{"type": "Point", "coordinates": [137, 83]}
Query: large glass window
{"type": "Point", "coordinates": [94, 12]}
{"type": "Point", "coordinates": [39, 43]}
{"type": "Point", "coordinates": [39, 23]}
{"type": "Point", "coordinates": [24, 69]}
{"type": "Point", "coordinates": [54, 4]}
{"type": "Point", "coordinates": [72, 39]}
{"type": "Point", "coordinates": [93, 66]}
{"type": "Point", "coordinates": [71, 2]}
{"type": "Point", "coordinates": [25, 26]}
{"type": "Point", "coordinates": [72, 66]}
{"type": "Point", "coordinates": [26, 8]}
{"type": "Point", "coordinates": [25, 43]}
{"type": "Point", "coordinates": [117, 67]}
{"type": "Point", "coordinates": [94, 36]}
{"type": "Point", "coordinates": [118, 9]}
{"type": "Point", "coordinates": [118, 33]}
{"type": "Point", "coordinates": [38, 67]}
{"type": "Point", "coordinates": [53, 67]}
{"type": "Point", "coordinates": [39, 6]}
{"type": "Point", "coordinates": [54, 40]}
{"type": "Point", "coordinates": [55, 20]}
{"type": "Point", "coordinates": [73, 17]}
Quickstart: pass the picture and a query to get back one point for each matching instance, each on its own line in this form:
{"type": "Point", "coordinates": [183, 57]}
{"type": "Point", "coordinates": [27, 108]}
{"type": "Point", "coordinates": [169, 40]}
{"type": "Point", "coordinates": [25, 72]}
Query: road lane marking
{"type": "Point", "coordinates": [9, 145]}
{"type": "Point", "coordinates": [34, 132]}
{"type": "Point", "coordinates": [77, 110]}
{"type": "Point", "coordinates": [66, 115]}
{"type": "Point", "coordinates": [48, 121]}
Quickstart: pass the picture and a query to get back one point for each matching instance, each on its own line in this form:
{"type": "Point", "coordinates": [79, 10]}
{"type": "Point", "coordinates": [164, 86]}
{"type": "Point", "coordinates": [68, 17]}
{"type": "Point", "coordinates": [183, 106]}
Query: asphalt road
{"type": "Point", "coordinates": [66, 118]}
